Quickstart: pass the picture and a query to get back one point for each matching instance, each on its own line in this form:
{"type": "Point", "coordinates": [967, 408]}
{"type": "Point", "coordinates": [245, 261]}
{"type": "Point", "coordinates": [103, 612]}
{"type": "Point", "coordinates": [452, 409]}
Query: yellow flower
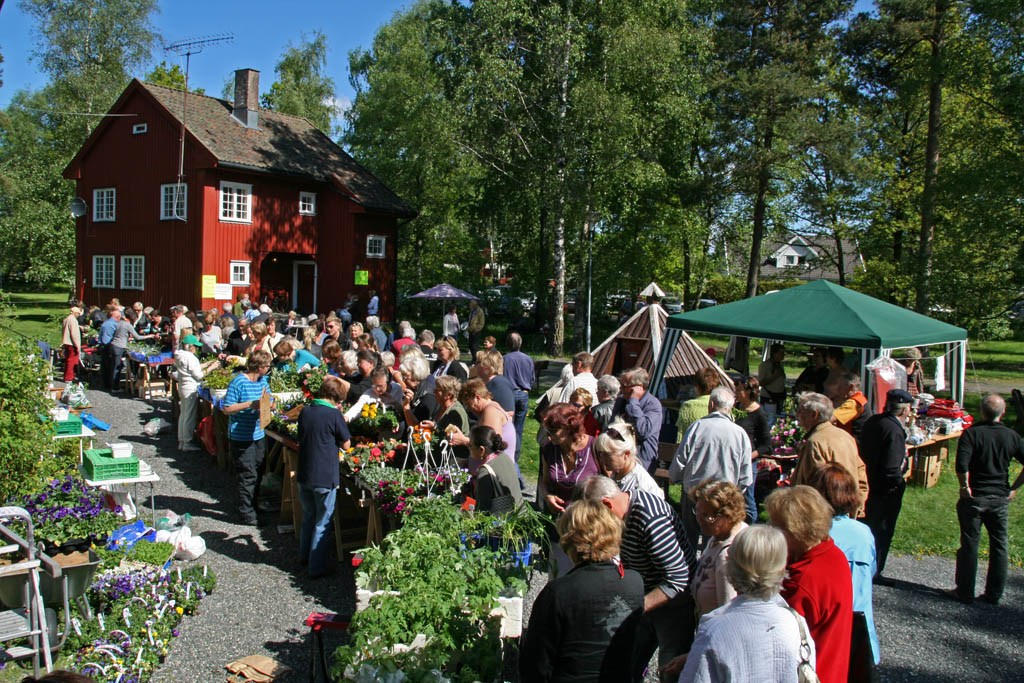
{"type": "Point", "coordinates": [179, 610]}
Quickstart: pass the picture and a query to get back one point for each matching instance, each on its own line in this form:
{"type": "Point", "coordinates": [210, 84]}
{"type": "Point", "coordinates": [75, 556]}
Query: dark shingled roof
{"type": "Point", "coordinates": [283, 144]}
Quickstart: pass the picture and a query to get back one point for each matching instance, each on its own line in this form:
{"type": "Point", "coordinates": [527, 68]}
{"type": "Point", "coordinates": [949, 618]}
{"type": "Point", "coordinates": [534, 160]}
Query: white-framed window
{"type": "Point", "coordinates": [133, 272]}
{"type": "Point", "coordinates": [172, 201]}
{"type": "Point", "coordinates": [103, 271]}
{"type": "Point", "coordinates": [240, 272]}
{"type": "Point", "coordinates": [790, 260]}
{"type": "Point", "coordinates": [104, 204]}
{"type": "Point", "coordinates": [235, 202]}
{"type": "Point", "coordinates": [375, 246]}
{"type": "Point", "coordinates": [140, 128]}
{"type": "Point", "coordinates": [307, 203]}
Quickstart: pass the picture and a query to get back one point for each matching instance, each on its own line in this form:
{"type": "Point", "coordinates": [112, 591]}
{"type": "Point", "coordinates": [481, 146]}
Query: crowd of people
{"type": "Point", "coordinates": [716, 594]}
{"type": "Point", "coordinates": [720, 596]}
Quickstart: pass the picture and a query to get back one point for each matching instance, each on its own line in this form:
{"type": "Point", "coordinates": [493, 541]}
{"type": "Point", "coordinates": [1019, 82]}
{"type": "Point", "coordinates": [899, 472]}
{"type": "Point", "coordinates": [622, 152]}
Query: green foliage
{"type": "Point", "coordinates": [281, 380]}
{"type": "Point", "coordinates": [25, 443]}
{"type": "Point", "coordinates": [303, 87]}
{"type": "Point", "coordinates": [446, 591]}
{"type": "Point", "coordinates": [724, 289]}
{"type": "Point", "coordinates": [89, 49]}
{"type": "Point", "coordinates": [219, 378]}
{"type": "Point", "coordinates": [172, 77]}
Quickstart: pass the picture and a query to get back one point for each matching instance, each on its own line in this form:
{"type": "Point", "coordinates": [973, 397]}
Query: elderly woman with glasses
{"type": "Point", "coordinates": [615, 449]}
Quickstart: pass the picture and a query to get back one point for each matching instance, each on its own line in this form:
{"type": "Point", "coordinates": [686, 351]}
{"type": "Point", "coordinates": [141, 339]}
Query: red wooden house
{"type": "Point", "coordinates": [267, 204]}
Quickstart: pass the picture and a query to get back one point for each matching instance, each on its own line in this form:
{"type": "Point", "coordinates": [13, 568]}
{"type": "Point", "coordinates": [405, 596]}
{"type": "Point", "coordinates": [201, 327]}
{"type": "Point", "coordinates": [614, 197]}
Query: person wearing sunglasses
{"type": "Point", "coordinates": [567, 456]}
{"type": "Point", "coordinates": [616, 454]}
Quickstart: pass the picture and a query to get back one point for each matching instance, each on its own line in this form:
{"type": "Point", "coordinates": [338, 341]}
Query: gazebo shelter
{"type": "Point", "coordinates": [825, 314]}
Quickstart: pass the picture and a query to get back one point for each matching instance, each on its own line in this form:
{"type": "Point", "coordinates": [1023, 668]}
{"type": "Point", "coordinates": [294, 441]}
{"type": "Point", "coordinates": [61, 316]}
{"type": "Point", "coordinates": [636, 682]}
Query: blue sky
{"type": "Point", "coordinates": [262, 30]}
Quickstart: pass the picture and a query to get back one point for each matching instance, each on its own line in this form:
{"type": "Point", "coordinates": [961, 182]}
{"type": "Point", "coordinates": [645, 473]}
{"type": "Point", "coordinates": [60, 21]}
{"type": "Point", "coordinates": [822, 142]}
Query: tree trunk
{"type": "Point", "coordinates": [542, 305]}
{"type": "Point", "coordinates": [931, 159]}
{"type": "Point", "coordinates": [840, 265]}
{"type": "Point", "coordinates": [760, 209]}
{"type": "Point", "coordinates": [687, 266]}
{"type": "Point", "coordinates": [558, 326]}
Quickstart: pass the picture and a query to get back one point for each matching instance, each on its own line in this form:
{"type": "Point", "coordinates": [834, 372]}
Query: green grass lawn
{"type": "Point", "coordinates": [36, 315]}
{"type": "Point", "coordinates": [928, 525]}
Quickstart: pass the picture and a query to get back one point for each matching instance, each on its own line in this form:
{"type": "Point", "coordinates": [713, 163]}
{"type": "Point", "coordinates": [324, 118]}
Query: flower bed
{"type": "Point", "coordinates": [66, 512]}
{"type": "Point", "coordinates": [136, 620]}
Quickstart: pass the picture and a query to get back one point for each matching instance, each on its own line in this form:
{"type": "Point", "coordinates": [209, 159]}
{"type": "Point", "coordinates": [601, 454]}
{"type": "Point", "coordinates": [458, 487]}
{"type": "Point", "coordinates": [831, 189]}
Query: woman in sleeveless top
{"type": "Point", "coordinates": [478, 400]}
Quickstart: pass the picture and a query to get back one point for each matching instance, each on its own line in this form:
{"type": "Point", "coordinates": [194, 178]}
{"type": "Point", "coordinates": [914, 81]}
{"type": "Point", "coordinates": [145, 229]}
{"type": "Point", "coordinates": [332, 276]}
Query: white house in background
{"type": "Point", "coordinates": [813, 257]}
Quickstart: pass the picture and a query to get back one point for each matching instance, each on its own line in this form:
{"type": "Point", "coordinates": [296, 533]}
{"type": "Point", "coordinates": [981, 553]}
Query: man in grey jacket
{"type": "Point", "coordinates": [714, 447]}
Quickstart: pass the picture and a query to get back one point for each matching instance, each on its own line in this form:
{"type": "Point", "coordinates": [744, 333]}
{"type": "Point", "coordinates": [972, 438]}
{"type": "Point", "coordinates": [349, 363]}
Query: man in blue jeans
{"type": "Point", "coordinates": [322, 431]}
{"type": "Point", "coordinates": [982, 465]}
{"type": "Point", "coordinates": [520, 371]}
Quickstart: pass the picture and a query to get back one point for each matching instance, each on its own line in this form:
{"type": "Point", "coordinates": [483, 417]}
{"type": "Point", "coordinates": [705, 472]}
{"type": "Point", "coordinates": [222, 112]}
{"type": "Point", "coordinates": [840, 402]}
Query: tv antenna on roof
{"type": "Point", "coordinates": [187, 48]}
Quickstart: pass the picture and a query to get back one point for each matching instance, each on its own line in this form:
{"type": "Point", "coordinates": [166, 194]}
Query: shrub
{"type": "Point", "coordinates": [24, 442]}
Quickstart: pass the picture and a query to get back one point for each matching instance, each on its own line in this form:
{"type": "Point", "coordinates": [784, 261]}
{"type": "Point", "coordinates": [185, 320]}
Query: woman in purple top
{"type": "Point", "coordinates": [567, 455]}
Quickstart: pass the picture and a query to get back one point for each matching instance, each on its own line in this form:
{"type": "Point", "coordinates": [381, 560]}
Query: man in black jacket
{"type": "Point", "coordinates": [883, 449]}
{"type": "Point", "coordinates": [983, 465]}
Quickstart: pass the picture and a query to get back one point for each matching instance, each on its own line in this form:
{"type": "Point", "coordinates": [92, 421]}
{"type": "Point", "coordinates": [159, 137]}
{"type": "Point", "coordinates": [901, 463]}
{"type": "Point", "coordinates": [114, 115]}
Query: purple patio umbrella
{"type": "Point", "coordinates": [444, 291]}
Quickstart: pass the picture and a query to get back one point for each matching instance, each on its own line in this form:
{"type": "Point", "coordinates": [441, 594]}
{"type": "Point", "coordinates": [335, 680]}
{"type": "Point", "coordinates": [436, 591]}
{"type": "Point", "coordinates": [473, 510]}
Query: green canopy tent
{"type": "Point", "coordinates": [823, 313]}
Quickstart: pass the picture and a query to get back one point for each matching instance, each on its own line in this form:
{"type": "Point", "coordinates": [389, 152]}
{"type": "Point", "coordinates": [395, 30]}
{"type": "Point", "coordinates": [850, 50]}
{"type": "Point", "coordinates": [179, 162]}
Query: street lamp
{"type": "Point", "coordinates": [592, 218]}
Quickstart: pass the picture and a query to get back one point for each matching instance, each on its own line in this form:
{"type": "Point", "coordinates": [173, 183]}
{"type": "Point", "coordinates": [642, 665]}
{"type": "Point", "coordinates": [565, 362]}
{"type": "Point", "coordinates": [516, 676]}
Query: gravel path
{"type": "Point", "coordinates": [262, 596]}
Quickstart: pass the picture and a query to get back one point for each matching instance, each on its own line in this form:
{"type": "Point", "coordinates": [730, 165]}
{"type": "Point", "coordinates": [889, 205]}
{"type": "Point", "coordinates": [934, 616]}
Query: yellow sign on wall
{"type": "Point", "coordinates": [362, 277]}
{"type": "Point", "coordinates": [209, 286]}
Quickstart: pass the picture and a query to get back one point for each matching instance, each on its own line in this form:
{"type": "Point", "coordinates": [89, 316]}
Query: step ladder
{"type": "Point", "coordinates": [27, 622]}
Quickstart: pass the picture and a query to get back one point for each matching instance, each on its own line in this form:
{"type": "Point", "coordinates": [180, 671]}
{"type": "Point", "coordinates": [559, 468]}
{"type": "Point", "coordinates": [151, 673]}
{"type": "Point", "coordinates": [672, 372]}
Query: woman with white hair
{"type": "Point", "coordinates": [616, 454]}
{"type": "Point", "coordinates": [419, 402]}
{"type": "Point", "coordinates": [754, 637]}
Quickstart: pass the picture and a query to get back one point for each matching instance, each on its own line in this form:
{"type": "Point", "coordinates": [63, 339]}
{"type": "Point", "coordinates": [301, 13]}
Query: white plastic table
{"type": "Point", "coordinates": [86, 434]}
{"type": "Point", "coordinates": [152, 478]}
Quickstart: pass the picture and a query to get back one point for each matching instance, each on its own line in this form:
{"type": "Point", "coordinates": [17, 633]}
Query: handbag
{"type": "Point", "coordinates": [804, 671]}
{"type": "Point", "coordinates": [503, 504]}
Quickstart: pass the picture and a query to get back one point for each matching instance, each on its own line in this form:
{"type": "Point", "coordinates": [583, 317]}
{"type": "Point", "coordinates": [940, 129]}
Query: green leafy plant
{"type": "Point", "coordinates": [151, 552]}
{"type": "Point", "coordinates": [446, 590]}
{"type": "Point", "coordinates": [219, 378]}
{"type": "Point", "coordinates": [281, 380]}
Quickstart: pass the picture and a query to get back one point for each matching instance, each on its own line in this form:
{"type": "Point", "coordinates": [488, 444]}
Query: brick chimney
{"type": "Point", "coordinates": [247, 97]}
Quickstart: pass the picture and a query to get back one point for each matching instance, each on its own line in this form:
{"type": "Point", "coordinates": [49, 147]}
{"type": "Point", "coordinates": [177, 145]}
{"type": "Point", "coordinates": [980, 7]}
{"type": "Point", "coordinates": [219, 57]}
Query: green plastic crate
{"type": "Point", "coordinates": [72, 425]}
{"type": "Point", "coordinates": [100, 465]}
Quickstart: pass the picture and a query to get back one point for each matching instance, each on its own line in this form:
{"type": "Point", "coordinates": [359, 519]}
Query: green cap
{"type": "Point", "coordinates": [190, 339]}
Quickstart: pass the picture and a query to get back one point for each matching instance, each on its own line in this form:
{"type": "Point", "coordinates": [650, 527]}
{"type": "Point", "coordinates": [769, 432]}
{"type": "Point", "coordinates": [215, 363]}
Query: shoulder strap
{"type": "Point", "coordinates": [805, 648]}
{"type": "Point", "coordinates": [497, 482]}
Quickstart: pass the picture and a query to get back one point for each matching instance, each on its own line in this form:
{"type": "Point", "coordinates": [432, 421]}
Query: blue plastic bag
{"type": "Point", "coordinates": [94, 423]}
{"type": "Point", "coordinates": [126, 537]}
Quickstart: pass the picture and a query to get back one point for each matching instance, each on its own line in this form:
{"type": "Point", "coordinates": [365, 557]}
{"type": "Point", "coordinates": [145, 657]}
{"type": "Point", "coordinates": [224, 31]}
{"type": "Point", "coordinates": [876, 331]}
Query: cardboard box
{"type": "Point", "coordinates": [927, 467]}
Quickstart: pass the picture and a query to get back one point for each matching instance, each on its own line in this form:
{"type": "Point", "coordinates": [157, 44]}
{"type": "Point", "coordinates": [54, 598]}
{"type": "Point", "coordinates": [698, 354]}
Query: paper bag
{"type": "Point", "coordinates": [256, 668]}
{"type": "Point", "coordinates": [265, 413]}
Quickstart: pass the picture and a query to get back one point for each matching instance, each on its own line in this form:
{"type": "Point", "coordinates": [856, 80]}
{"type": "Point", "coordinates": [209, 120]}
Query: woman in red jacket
{"type": "Point", "coordinates": [818, 583]}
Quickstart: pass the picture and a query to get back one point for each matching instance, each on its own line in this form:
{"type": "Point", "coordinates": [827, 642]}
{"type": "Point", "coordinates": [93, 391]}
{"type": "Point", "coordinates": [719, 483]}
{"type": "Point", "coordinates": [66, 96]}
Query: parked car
{"type": "Point", "coordinates": [614, 301]}
{"type": "Point", "coordinates": [706, 303]}
{"type": "Point", "coordinates": [672, 304]}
